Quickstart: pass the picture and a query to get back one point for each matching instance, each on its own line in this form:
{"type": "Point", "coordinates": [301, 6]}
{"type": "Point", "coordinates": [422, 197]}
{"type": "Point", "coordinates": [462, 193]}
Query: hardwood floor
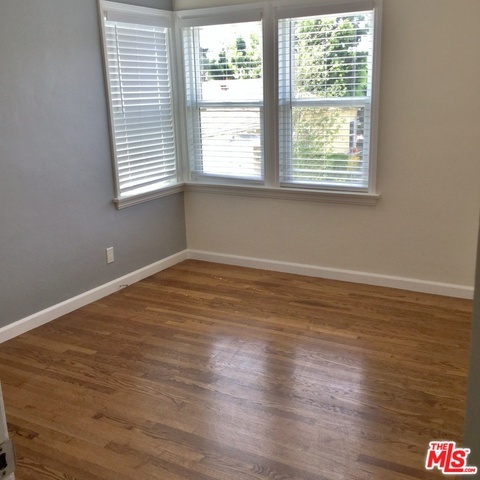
{"type": "Point", "coordinates": [213, 372]}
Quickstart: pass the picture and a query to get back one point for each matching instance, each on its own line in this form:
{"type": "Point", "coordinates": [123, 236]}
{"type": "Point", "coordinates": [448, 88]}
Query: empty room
{"type": "Point", "coordinates": [238, 239]}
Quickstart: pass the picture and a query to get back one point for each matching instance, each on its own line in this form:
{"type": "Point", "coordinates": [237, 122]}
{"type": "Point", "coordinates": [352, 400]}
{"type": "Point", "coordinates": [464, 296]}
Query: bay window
{"type": "Point", "coordinates": [268, 99]}
{"type": "Point", "coordinates": [325, 100]}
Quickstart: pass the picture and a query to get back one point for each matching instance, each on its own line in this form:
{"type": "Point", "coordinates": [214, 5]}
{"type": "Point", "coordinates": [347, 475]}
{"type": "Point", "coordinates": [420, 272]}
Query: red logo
{"type": "Point", "coordinates": [449, 459]}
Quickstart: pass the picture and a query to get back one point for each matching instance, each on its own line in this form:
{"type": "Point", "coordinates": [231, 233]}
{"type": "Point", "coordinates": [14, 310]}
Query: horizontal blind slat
{"type": "Point", "coordinates": [141, 99]}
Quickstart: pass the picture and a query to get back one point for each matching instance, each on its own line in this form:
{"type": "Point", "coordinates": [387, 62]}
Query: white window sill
{"type": "Point", "coordinates": [146, 197]}
{"type": "Point", "coordinates": [299, 194]}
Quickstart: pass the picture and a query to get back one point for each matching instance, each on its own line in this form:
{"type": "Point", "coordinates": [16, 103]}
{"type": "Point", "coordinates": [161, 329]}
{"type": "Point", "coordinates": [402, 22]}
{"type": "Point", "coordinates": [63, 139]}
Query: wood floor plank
{"type": "Point", "coordinates": [213, 372]}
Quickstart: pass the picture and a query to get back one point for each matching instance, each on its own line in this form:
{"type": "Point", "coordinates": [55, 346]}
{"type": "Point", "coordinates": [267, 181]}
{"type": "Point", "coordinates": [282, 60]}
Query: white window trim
{"type": "Point", "coordinates": [248, 12]}
{"type": "Point", "coordinates": [271, 12]}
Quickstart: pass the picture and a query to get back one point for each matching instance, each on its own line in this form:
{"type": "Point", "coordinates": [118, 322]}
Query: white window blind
{"type": "Point", "coordinates": [224, 79]}
{"type": "Point", "coordinates": [325, 100]}
{"type": "Point", "coordinates": [140, 88]}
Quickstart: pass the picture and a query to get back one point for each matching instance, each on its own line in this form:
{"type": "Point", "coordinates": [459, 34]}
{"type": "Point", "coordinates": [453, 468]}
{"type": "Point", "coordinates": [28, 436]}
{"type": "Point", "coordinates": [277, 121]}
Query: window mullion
{"type": "Point", "coordinates": [271, 89]}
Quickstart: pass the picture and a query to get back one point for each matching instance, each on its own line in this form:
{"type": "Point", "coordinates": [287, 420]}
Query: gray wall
{"type": "Point", "coordinates": [56, 186]}
{"type": "Point", "coordinates": [471, 438]}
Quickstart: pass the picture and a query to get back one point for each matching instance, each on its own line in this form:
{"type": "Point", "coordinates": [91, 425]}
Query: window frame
{"type": "Point", "coordinates": [126, 13]}
{"type": "Point", "coordinates": [272, 12]}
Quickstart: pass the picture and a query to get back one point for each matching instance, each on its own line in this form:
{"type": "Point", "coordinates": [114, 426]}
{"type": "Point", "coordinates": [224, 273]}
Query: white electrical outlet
{"type": "Point", "coordinates": [110, 255]}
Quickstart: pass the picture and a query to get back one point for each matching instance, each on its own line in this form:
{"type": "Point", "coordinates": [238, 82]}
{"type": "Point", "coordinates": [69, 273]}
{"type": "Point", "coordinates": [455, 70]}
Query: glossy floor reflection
{"type": "Point", "coordinates": [212, 372]}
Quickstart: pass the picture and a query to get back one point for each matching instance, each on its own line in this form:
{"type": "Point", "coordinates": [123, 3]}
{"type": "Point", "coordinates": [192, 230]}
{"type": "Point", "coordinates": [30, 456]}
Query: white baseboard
{"type": "Point", "coordinates": [414, 285]}
{"type": "Point", "coordinates": [51, 313]}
